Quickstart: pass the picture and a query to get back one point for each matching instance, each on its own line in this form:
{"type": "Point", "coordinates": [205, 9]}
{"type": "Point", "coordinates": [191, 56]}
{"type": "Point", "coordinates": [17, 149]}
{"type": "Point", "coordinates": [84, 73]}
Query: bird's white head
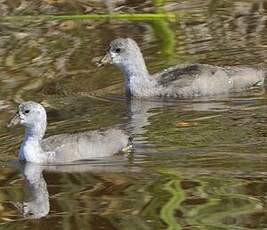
{"type": "Point", "coordinates": [121, 52]}
{"type": "Point", "coordinates": [31, 115]}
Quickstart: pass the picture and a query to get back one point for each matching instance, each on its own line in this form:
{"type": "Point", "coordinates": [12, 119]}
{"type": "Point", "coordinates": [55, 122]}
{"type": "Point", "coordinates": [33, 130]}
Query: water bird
{"type": "Point", "coordinates": [63, 148]}
{"type": "Point", "coordinates": [183, 80]}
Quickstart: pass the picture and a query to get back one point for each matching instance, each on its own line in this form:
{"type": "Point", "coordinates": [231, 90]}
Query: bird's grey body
{"type": "Point", "coordinates": [185, 80]}
{"type": "Point", "coordinates": [63, 148]}
{"type": "Point", "coordinates": [86, 145]}
{"type": "Point", "coordinates": [191, 80]}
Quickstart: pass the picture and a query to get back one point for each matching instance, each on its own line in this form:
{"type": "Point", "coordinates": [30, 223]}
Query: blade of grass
{"type": "Point", "coordinates": [120, 16]}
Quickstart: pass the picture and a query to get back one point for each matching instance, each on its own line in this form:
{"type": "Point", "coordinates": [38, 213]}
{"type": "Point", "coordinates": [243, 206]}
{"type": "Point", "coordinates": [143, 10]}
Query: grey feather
{"type": "Point", "coordinates": [86, 145]}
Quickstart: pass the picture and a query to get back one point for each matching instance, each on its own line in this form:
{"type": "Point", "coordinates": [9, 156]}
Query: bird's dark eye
{"type": "Point", "coordinates": [26, 111]}
{"type": "Point", "coordinates": [117, 50]}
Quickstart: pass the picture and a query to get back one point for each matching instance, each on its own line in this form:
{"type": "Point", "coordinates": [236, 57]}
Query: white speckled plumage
{"type": "Point", "coordinates": [63, 148]}
{"type": "Point", "coordinates": [185, 80]}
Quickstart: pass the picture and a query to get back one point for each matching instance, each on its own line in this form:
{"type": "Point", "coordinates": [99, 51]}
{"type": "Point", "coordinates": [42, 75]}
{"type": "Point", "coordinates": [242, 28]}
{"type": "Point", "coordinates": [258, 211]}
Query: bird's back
{"type": "Point", "coordinates": [189, 80]}
{"type": "Point", "coordinates": [86, 145]}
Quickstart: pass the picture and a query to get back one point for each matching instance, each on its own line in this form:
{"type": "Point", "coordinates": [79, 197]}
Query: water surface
{"type": "Point", "coordinates": [196, 163]}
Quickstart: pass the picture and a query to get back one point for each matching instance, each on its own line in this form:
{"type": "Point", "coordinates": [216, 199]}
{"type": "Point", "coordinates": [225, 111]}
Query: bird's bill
{"type": "Point", "coordinates": [14, 120]}
{"type": "Point", "coordinates": [104, 60]}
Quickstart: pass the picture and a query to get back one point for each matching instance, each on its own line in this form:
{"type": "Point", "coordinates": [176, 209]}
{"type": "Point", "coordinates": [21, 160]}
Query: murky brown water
{"type": "Point", "coordinates": [196, 164]}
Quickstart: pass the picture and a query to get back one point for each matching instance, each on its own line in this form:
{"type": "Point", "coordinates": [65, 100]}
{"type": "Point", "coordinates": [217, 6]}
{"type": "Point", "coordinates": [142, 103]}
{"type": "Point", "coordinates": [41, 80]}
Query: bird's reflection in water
{"type": "Point", "coordinates": [141, 110]}
{"type": "Point", "coordinates": [36, 200]}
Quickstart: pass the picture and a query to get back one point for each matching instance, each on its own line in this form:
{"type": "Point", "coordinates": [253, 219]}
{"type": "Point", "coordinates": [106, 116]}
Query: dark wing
{"type": "Point", "coordinates": [178, 72]}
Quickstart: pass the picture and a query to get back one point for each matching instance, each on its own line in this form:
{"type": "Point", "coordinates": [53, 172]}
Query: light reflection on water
{"type": "Point", "coordinates": [196, 163]}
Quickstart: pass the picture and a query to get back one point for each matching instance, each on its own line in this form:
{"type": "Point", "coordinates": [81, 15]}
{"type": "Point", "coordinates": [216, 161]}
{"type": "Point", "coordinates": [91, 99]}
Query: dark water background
{"type": "Point", "coordinates": [196, 163]}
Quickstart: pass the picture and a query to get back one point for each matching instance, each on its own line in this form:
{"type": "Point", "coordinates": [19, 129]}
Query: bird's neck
{"type": "Point", "coordinates": [136, 76]}
{"type": "Point", "coordinates": [35, 132]}
{"type": "Point", "coordinates": [30, 149]}
{"type": "Point", "coordinates": [136, 66]}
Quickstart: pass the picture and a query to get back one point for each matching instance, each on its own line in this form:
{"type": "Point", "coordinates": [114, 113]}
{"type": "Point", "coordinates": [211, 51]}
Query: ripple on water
{"type": "Point", "coordinates": [196, 163]}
